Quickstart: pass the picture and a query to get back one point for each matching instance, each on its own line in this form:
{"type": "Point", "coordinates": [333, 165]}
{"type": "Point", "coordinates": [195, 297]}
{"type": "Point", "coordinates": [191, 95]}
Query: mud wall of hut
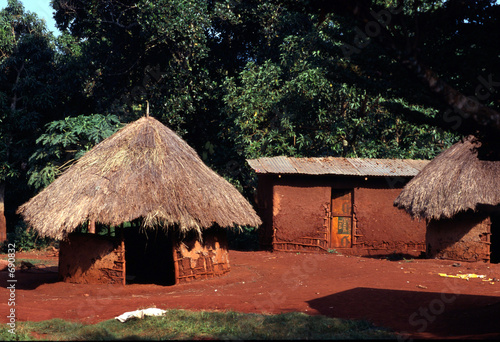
{"type": "Point", "coordinates": [196, 259]}
{"type": "Point", "coordinates": [169, 257]}
{"type": "Point", "coordinates": [299, 217]}
{"type": "Point", "coordinates": [92, 259]}
{"type": "Point", "coordinates": [296, 211]}
{"type": "Point", "coordinates": [381, 227]}
{"type": "Point", "coordinates": [143, 256]}
{"type": "Point", "coordinates": [466, 237]}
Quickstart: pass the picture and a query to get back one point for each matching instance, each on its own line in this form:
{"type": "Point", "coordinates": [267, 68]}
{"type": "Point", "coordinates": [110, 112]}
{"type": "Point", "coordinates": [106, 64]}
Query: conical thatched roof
{"type": "Point", "coordinates": [144, 170]}
{"type": "Point", "coordinates": [456, 180]}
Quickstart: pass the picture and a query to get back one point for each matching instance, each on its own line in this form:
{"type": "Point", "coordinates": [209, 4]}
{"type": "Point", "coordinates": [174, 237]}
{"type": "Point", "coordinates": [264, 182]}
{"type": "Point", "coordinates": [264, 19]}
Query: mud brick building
{"type": "Point", "coordinates": [336, 205]}
{"type": "Point", "coordinates": [458, 194]}
{"type": "Point", "coordinates": [140, 206]}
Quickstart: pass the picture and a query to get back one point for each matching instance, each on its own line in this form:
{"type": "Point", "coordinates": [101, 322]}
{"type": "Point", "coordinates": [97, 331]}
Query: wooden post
{"type": "Point", "coordinates": [176, 261]}
{"type": "Point", "coordinates": [92, 226]}
{"type": "Point", "coordinates": [122, 238]}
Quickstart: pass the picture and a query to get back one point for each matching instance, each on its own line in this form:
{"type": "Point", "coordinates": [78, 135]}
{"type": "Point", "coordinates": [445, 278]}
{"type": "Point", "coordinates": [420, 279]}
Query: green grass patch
{"type": "Point", "coordinates": [183, 324]}
{"type": "Point", "coordinates": [37, 262]}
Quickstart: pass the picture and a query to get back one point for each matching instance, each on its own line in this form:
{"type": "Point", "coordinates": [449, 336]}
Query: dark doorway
{"type": "Point", "coordinates": [495, 238]}
{"type": "Point", "coordinates": [149, 256]}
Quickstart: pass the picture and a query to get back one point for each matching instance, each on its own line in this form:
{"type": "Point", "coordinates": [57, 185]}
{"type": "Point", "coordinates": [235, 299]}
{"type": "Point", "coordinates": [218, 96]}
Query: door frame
{"type": "Point", "coordinates": [336, 213]}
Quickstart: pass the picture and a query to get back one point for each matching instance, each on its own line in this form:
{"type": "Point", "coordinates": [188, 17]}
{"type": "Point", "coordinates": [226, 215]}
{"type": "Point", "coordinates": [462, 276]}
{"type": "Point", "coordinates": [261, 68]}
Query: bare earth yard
{"type": "Point", "coordinates": [408, 296]}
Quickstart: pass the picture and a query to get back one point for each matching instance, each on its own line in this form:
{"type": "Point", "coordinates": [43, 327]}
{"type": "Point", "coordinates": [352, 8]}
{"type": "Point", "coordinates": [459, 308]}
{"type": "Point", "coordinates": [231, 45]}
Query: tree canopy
{"type": "Point", "coordinates": [243, 79]}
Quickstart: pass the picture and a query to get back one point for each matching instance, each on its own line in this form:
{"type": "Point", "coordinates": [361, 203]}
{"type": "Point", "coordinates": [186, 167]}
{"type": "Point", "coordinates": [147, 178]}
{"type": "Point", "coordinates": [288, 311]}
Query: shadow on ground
{"type": "Point", "coordinates": [421, 314]}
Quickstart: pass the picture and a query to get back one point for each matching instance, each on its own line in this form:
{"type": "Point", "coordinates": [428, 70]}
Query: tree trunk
{"type": "Point", "coordinates": [3, 222]}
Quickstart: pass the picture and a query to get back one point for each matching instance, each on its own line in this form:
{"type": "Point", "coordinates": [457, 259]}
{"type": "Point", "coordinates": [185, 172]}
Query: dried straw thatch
{"type": "Point", "coordinates": [456, 180]}
{"type": "Point", "coordinates": [144, 170]}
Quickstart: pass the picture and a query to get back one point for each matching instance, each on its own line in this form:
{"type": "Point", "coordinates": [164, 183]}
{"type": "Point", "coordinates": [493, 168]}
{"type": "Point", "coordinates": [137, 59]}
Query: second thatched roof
{"type": "Point", "coordinates": [456, 180]}
{"type": "Point", "coordinates": [144, 170]}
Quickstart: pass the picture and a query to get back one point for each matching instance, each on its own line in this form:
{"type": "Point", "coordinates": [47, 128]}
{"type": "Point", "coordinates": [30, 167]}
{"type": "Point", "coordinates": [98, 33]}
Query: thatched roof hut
{"type": "Point", "coordinates": [144, 170]}
{"type": "Point", "coordinates": [453, 182]}
{"type": "Point", "coordinates": [458, 193]}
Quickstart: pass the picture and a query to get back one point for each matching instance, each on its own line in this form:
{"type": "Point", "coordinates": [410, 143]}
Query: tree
{"type": "Point", "coordinates": [449, 46]}
{"type": "Point", "coordinates": [322, 88]}
{"type": "Point", "coordinates": [304, 98]}
{"type": "Point", "coordinates": [64, 142]}
{"type": "Point", "coordinates": [240, 79]}
{"type": "Point", "coordinates": [176, 54]}
{"type": "Point", "coordinates": [140, 50]}
{"type": "Point", "coordinates": [27, 91]}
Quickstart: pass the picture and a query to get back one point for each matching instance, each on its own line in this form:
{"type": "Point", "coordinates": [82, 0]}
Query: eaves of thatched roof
{"type": "Point", "coordinates": [142, 171]}
{"type": "Point", "coordinates": [455, 181]}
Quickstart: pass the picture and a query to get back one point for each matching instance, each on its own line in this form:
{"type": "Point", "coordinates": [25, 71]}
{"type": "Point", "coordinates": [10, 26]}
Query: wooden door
{"type": "Point", "coordinates": [341, 219]}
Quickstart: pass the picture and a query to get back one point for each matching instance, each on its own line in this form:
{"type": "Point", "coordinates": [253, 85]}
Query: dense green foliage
{"type": "Point", "coordinates": [27, 85]}
{"type": "Point", "coordinates": [189, 325]}
{"type": "Point", "coordinates": [64, 141]}
{"type": "Point", "coordinates": [236, 79]}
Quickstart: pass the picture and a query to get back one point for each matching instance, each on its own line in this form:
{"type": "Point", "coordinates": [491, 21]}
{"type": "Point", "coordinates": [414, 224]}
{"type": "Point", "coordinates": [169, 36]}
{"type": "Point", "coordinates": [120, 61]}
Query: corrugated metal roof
{"type": "Point", "coordinates": [418, 164]}
{"type": "Point", "coordinates": [277, 165]}
{"type": "Point", "coordinates": [314, 167]}
{"type": "Point", "coordinates": [338, 166]}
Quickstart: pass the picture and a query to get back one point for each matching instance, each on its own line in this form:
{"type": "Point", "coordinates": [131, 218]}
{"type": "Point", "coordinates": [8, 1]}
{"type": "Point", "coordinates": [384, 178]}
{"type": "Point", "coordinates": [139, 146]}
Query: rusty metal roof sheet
{"type": "Point", "coordinates": [275, 165]}
{"type": "Point", "coordinates": [338, 166]}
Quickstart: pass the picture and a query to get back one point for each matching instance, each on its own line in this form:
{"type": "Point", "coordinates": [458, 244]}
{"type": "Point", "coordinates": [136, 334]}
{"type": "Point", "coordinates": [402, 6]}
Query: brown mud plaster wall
{"type": "Point", "coordinates": [465, 237]}
{"type": "Point", "coordinates": [91, 259]}
{"type": "Point", "coordinates": [299, 211]}
{"type": "Point", "coordinates": [382, 227]}
{"type": "Point", "coordinates": [200, 260]}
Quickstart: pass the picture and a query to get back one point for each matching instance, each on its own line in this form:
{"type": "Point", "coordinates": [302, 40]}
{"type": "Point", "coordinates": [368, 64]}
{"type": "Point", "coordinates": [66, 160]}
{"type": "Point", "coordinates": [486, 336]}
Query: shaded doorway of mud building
{"type": "Point", "coordinates": [495, 238]}
{"type": "Point", "coordinates": [149, 256]}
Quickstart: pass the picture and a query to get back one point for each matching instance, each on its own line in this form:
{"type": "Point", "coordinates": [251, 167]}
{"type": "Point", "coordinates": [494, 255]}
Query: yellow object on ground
{"type": "Point", "coordinates": [466, 276]}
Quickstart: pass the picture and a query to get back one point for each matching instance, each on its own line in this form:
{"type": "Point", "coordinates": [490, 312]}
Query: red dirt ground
{"type": "Point", "coordinates": [408, 296]}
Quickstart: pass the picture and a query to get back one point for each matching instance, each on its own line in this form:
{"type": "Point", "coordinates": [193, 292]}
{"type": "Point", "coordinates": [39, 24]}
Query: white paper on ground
{"type": "Point", "coordinates": [140, 314]}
